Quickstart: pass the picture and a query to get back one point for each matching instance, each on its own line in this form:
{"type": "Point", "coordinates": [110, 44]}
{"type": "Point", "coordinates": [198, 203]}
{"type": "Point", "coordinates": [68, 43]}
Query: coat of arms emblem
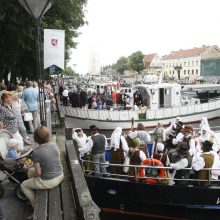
{"type": "Point", "coordinates": [54, 42]}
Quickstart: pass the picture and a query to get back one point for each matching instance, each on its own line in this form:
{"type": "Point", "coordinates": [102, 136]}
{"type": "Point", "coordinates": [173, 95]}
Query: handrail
{"type": "Point", "coordinates": [150, 114]}
{"type": "Point", "coordinates": [148, 167]}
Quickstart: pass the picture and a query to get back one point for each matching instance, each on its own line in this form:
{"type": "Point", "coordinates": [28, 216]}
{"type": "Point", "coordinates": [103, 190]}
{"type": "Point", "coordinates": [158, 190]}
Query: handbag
{"type": "Point", "coordinates": [28, 116]}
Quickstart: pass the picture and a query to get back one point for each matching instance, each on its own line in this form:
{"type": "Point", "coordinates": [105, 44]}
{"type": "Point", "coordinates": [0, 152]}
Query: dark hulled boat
{"type": "Point", "coordinates": [126, 197]}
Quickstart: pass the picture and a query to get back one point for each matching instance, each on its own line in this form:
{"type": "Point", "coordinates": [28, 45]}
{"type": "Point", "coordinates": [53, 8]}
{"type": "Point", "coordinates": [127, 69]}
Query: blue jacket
{"type": "Point", "coordinates": [30, 96]}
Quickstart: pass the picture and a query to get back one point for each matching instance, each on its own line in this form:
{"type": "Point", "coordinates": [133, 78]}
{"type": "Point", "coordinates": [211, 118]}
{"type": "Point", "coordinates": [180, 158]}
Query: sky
{"type": "Point", "coordinates": [121, 27]}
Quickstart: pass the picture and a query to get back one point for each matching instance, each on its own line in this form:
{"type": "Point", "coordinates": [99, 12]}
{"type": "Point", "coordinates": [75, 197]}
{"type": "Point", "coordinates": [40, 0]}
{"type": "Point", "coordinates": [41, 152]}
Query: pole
{"type": "Point", "coordinates": [39, 74]}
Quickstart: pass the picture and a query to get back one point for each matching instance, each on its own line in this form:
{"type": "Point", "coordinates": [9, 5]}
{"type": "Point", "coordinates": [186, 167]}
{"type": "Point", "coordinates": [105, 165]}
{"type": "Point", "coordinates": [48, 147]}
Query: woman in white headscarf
{"type": "Point", "coordinates": [119, 149]}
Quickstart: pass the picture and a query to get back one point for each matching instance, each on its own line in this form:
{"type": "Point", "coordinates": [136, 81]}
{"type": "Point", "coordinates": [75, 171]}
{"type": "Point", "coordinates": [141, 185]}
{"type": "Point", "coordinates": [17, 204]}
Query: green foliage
{"type": "Point", "coordinates": [68, 71]}
{"type": "Point", "coordinates": [135, 61]}
{"type": "Point", "coordinates": [121, 65]}
{"type": "Point", "coordinates": [17, 38]}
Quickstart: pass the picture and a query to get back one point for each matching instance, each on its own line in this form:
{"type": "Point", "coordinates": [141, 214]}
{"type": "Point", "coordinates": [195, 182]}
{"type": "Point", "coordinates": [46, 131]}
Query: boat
{"type": "Point", "coordinates": [164, 102]}
{"type": "Point", "coordinates": [141, 200]}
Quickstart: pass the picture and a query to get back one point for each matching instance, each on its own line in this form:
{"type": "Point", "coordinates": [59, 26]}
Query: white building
{"type": "Point", "coordinates": [186, 64]}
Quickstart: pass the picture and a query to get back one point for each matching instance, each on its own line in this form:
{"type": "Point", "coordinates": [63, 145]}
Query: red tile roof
{"type": "Point", "coordinates": [186, 53]}
{"type": "Point", "coordinates": [148, 59]}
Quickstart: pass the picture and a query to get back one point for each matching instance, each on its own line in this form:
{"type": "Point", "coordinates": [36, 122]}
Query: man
{"type": "Point", "coordinates": [143, 135]}
{"type": "Point", "coordinates": [30, 95]}
{"type": "Point", "coordinates": [96, 144]}
{"type": "Point", "coordinates": [183, 160]}
{"type": "Point", "coordinates": [204, 160]}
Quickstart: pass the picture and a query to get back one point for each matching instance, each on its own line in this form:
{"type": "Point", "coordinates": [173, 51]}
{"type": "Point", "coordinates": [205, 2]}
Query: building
{"type": "Point", "coordinates": [192, 63]}
{"type": "Point", "coordinates": [210, 63]}
{"type": "Point", "coordinates": [152, 64]}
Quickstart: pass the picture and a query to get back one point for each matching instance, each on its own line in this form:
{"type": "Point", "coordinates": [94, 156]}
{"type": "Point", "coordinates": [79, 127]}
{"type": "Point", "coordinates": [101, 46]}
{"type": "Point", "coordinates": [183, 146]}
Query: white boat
{"type": "Point", "coordinates": [164, 102]}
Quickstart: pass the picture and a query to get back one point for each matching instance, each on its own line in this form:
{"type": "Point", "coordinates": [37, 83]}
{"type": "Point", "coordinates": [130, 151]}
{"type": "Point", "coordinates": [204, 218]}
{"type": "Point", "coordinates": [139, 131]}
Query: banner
{"type": "Point", "coordinates": [54, 44]}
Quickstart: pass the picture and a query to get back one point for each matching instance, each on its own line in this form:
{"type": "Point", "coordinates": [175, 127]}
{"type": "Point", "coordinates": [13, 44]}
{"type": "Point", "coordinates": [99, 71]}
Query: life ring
{"type": "Point", "coordinates": [152, 162]}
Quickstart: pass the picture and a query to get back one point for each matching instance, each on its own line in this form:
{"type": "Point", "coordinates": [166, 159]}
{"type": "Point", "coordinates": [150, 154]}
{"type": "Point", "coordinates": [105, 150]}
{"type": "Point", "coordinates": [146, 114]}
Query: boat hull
{"type": "Point", "coordinates": [154, 200]}
{"type": "Point", "coordinates": [84, 123]}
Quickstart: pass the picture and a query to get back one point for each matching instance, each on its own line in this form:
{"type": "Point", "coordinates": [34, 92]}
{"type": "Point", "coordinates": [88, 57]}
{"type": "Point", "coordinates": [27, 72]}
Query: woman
{"type": "Point", "coordinates": [137, 157]}
{"type": "Point", "coordinates": [119, 149]}
{"type": "Point", "coordinates": [18, 107]}
{"type": "Point", "coordinates": [8, 117]}
{"type": "Point", "coordinates": [47, 172]}
{"type": "Point", "coordinates": [159, 135]}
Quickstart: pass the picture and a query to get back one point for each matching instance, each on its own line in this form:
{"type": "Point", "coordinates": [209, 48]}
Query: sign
{"type": "Point", "coordinates": [54, 48]}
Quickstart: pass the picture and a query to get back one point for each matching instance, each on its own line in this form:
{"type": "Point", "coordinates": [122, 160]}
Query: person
{"type": "Point", "coordinates": [12, 145]}
{"type": "Point", "coordinates": [204, 124]}
{"type": "Point", "coordinates": [30, 96]}
{"type": "Point", "coordinates": [173, 135]}
{"type": "Point", "coordinates": [161, 155]}
{"type": "Point", "coordinates": [19, 107]}
{"type": "Point", "coordinates": [65, 96]}
{"type": "Point", "coordinates": [159, 135]}
{"type": "Point", "coordinates": [207, 134]}
{"type": "Point", "coordinates": [119, 149]}
{"type": "Point", "coordinates": [137, 157]}
{"type": "Point", "coordinates": [80, 137]}
{"type": "Point", "coordinates": [189, 139]}
{"type": "Point", "coordinates": [97, 144]}
{"type": "Point", "coordinates": [8, 117]}
{"type": "Point", "coordinates": [143, 135]}
{"type": "Point", "coordinates": [47, 172]}
{"type": "Point", "coordinates": [204, 160]}
{"type": "Point", "coordinates": [184, 160]}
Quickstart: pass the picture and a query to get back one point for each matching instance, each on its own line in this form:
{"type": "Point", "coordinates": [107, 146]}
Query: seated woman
{"type": "Point", "coordinates": [47, 172]}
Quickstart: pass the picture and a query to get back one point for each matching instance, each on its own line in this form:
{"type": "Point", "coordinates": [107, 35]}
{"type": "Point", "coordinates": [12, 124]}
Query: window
{"type": "Point", "coordinates": [197, 71]}
{"type": "Point", "coordinates": [188, 72]}
{"type": "Point", "coordinates": [184, 72]}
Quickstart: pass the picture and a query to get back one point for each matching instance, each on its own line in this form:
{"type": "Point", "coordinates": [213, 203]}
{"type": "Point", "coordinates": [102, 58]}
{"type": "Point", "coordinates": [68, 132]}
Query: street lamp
{"type": "Point", "coordinates": [37, 8]}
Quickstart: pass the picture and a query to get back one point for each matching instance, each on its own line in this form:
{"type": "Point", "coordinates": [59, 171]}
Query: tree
{"type": "Point", "coordinates": [121, 65]}
{"type": "Point", "coordinates": [135, 61]}
{"type": "Point", "coordinates": [17, 38]}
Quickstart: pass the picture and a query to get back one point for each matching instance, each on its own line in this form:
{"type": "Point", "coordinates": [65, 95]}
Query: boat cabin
{"type": "Point", "coordinates": [157, 96]}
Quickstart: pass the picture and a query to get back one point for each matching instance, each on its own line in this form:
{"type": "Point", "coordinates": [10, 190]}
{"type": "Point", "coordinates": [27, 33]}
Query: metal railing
{"type": "Point", "coordinates": [128, 176]}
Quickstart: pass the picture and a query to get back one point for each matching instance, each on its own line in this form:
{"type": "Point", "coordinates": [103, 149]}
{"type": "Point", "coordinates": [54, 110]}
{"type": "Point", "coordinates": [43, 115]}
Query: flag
{"type": "Point", "coordinates": [54, 46]}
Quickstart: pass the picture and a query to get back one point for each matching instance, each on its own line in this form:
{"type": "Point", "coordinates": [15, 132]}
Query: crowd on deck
{"type": "Point", "coordinates": [79, 98]}
{"type": "Point", "coordinates": [45, 170]}
{"type": "Point", "coordinates": [175, 147]}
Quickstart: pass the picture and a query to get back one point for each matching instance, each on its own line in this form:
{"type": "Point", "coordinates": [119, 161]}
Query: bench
{"type": "Point", "coordinates": [57, 203]}
{"type": "Point", "coordinates": [86, 208]}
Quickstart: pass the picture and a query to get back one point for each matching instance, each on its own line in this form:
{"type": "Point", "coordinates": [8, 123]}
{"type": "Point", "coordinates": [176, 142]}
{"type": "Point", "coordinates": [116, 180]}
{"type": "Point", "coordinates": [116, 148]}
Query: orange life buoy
{"type": "Point", "coordinates": [152, 162]}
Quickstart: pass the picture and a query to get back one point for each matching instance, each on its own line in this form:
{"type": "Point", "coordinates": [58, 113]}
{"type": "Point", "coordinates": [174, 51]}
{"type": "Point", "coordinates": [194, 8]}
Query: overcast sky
{"type": "Point", "coordinates": [120, 27]}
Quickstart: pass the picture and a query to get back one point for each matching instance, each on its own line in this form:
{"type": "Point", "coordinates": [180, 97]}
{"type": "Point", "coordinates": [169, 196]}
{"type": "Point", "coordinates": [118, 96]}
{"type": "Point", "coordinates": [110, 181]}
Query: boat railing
{"type": "Point", "coordinates": [125, 115]}
{"type": "Point", "coordinates": [166, 179]}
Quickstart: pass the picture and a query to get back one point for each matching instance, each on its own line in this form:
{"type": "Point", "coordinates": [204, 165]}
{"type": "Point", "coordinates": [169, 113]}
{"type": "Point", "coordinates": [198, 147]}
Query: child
{"type": "Point", "coordinates": [12, 145]}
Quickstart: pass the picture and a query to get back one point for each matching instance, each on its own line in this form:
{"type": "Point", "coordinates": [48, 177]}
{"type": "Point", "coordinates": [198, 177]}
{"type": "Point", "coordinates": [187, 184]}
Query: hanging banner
{"type": "Point", "coordinates": [54, 45]}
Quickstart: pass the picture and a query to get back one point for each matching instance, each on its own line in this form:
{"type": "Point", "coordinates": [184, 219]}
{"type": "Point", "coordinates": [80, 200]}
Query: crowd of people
{"type": "Point", "coordinates": [45, 171]}
{"type": "Point", "coordinates": [79, 98]}
{"type": "Point", "coordinates": [176, 147]}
